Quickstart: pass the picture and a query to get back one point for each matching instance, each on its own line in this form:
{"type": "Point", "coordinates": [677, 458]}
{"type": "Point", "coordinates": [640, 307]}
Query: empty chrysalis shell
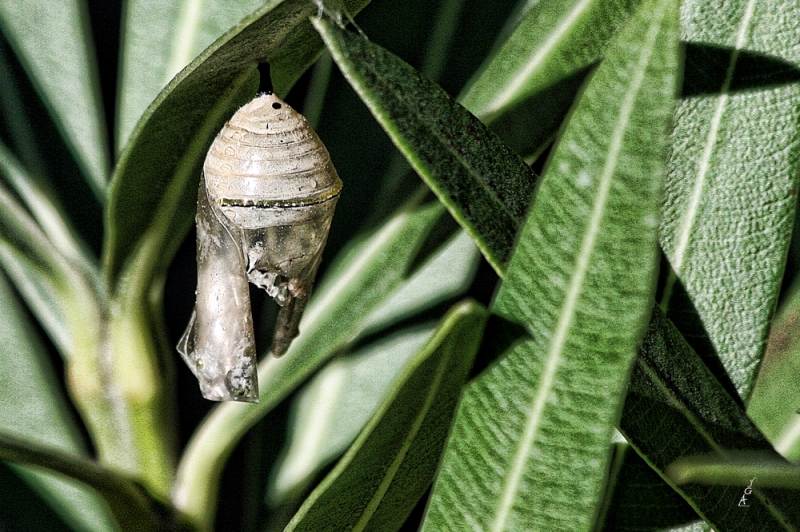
{"type": "Point", "coordinates": [264, 208]}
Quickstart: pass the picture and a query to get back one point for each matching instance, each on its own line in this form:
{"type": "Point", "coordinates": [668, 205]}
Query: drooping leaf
{"type": "Point", "coordinates": [34, 409]}
{"type": "Point", "coordinates": [390, 465]}
{"type": "Point", "coordinates": [153, 192]}
{"type": "Point", "coordinates": [53, 42]}
{"type": "Point", "coordinates": [552, 41]}
{"type": "Point", "coordinates": [482, 182]}
{"type": "Point", "coordinates": [675, 407]}
{"type": "Point", "coordinates": [733, 176]}
{"type": "Point", "coordinates": [353, 286]}
{"type": "Point", "coordinates": [530, 445]}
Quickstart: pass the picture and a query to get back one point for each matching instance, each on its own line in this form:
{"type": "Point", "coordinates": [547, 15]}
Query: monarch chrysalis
{"type": "Point", "coordinates": [264, 208]}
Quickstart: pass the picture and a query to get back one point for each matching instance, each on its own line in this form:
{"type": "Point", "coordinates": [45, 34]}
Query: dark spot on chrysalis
{"type": "Point", "coordinates": [276, 105]}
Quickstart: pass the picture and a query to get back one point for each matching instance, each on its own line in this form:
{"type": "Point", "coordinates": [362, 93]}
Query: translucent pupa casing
{"type": "Point", "coordinates": [264, 209]}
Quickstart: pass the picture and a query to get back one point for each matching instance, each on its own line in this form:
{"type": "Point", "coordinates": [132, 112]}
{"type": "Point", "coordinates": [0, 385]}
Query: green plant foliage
{"type": "Point", "coordinates": [32, 409]}
{"type": "Point", "coordinates": [351, 387]}
{"type": "Point", "coordinates": [733, 176]}
{"type": "Point", "coordinates": [177, 32]}
{"type": "Point", "coordinates": [586, 90]}
{"type": "Point", "coordinates": [581, 281]}
{"type": "Point", "coordinates": [153, 191]}
{"type": "Point", "coordinates": [775, 402]}
{"type": "Point", "coordinates": [481, 181]}
{"type": "Point", "coordinates": [697, 417]}
{"type": "Point", "coordinates": [641, 499]}
{"type": "Point", "coordinates": [551, 42]}
{"type": "Point", "coordinates": [333, 408]}
{"type": "Point", "coordinates": [379, 480]}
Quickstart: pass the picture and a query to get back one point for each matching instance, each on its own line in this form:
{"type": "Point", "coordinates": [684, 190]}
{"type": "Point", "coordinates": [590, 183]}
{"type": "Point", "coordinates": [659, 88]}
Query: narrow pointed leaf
{"type": "Point", "coordinates": [480, 180]}
{"type": "Point", "coordinates": [353, 386]}
{"type": "Point", "coordinates": [33, 408]}
{"type": "Point", "coordinates": [675, 407]}
{"type": "Point", "coordinates": [154, 188]}
{"type": "Point", "coordinates": [352, 288]}
{"type": "Point", "coordinates": [554, 40]}
{"type": "Point", "coordinates": [53, 42]}
{"type": "Point", "coordinates": [43, 277]}
{"type": "Point", "coordinates": [332, 409]}
{"type": "Point", "coordinates": [390, 465]}
{"type": "Point", "coordinates": [733, 177]}
{"type": "Point", "coordinates": [530, 446]}
{"type": "Point", "coordinates": [46, 210]}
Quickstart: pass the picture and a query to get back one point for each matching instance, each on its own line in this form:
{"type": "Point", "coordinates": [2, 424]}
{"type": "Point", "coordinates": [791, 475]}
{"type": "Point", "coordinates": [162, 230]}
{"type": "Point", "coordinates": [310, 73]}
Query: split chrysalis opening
{"type": "Point", "coordinates": [265, 205]}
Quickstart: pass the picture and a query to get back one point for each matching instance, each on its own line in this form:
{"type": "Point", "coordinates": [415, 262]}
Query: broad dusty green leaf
{"type": "Point", "coordinates": [482, 182]}
{"type": "Point", "coordinates": [775, 402]}
{"type": "Point", "coordinates": [554, 40]}
{"type": "Point", "coordinates": [161, 37]}
{"type": "Point", "coordinates": [352, 387]}
{"type": "Point", "coordinates": [733, 177]}
{"type": "Point", "coordinates": [33, 408]}
{"type": "Point", "coordinates": [530, 446]}
{"type": "Point", "coordinates": [53, 42]}
{"type": "Point", "coordinates": [352, 288]}
{"type": "Point", "coordinates": [392, 462]}
{"type": "Point", "coordinates": [154, 189]}
{"type": "Point", "coordinates": [675, 407]}
{"type": "Point", "coordinates": [332, 409]}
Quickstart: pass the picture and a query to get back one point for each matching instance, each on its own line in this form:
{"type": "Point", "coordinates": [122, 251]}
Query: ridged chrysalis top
{"type": "Point", "coordinates": [264, 208]}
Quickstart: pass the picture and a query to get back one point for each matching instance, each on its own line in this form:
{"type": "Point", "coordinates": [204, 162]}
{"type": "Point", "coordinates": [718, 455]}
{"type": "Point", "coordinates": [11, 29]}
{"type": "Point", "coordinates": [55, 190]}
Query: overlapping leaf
{"type": "Point", "coordinates": [379, 480]}
{"type": "Point", "coordinates": [775, 402]}
{"type": "Point", "coordinates": [696, 416]}
{"type": "Point", "coordinates": [530, 445]}
{"type": "Point", "coordinates": [641, 500]}
{"type": "Point", "coordinates": [159, 38]}
{"type": "Point", "coordinates": [39, 272]}
{"type": "Point", "coordinates": [480, 180]}
{"type": "Point", "coordinates": [733, 176]}
{"type": "Point", "coordinates": [340, 399]}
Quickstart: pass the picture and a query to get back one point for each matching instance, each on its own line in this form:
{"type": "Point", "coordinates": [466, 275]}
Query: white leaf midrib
{"type": "Point", "coordinates": [567, 314]}
{"type": "Point", "coordinates": [513, 86]}
{"type": "Point", "coordinates": [684, 233]}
